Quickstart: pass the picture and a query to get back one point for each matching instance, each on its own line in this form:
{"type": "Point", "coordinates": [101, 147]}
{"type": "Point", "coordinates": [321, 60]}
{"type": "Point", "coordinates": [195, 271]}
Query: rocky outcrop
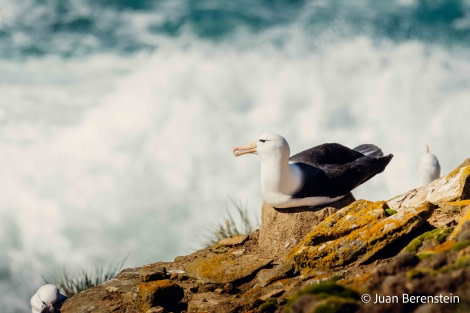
{"type": "Point", "coordinates": [130, 292]}
{"type": "Point", "coordinates": [282, 229]}
{"type": "Point", "coordinates": [417, 243]}
{"type": "Point", "coordinates": [355, 234]}
{"type": "Point", "coordinates": [454, 186]}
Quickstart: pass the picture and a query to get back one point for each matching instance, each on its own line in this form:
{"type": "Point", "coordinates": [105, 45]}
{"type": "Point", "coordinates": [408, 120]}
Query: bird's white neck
{"type": "Point", "coordinates": [279, 179]}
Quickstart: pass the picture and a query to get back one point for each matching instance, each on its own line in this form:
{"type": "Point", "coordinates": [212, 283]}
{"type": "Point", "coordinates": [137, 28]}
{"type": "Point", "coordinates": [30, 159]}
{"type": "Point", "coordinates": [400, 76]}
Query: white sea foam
{"type": "Point", "coordinates": [107, 155]}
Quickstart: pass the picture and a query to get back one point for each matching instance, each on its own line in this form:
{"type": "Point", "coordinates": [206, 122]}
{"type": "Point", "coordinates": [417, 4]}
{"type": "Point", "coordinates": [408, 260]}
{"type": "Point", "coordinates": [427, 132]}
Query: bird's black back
{"type": "Point", "coordinates": [334, 170]}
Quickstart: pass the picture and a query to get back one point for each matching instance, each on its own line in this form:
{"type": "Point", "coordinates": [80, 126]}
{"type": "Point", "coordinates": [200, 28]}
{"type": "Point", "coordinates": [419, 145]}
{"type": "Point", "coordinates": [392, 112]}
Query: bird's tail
{"type": "Point", "coordinates": [384, 161]}
{"type": "Point", "coordinates": [369, 150]}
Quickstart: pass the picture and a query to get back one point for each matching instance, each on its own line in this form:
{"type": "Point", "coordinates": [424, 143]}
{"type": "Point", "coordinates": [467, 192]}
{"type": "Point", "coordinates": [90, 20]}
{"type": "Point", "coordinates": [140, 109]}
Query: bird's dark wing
{"type": "Point", "coordinates": [327, 153]}
{"type": "Point", "coordinates": [369, 150]}
{"type": "Point", "coordinates": [335, 180]}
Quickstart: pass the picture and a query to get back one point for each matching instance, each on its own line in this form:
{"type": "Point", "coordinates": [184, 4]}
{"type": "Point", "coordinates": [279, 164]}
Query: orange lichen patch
{"type": "Point", "coordinates": [461, 203]}
{"type": "Point", "coordinates": [465, 183]}
{"type": "Point", "coordinates": [345, 221]}
{"type": "Point", "coordinates": [151, 287]}
{"type": "Point", "coordinates": [361, 244]}
{"type": "Point", "coordinates": [161, 292]}
{"type": "Point", "coordinates": [457, 170]}
{"type": "Point", "coordinates": [454, 207]}
{"type": "Point", "coordinates": [443, 247]}
{"type": "Point", "coordinates": [225, 268]}
{"type": "Point", "coordinates": [464, 163]}
{"type": "Point", "coordinates": [460, 226]}
{"type": "Point", "coordinates": [358, 214]}
{"type": "Point", "coordinates": [210, 267]}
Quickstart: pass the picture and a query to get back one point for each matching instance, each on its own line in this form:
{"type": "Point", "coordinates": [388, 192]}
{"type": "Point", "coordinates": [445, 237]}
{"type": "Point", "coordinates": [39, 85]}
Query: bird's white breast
{"type": "Point", "coordinates": [428, 169]}
{"type": "Point", "coordinates": [278, 187]}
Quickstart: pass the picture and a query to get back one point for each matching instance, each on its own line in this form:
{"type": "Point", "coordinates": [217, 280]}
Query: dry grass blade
{"type": "Point", "coordinates": [73, 284]}
{"type": "Point", "coordinates": [232, 226]}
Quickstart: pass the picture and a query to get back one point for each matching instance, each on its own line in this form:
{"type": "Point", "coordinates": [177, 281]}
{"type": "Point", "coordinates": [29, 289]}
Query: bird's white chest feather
{"type": "Point", "coordinates": [428, 169]}
{"type": "Point", "coordinates": [280, 181]}
{"type": "Point", "coordinates": [278, 186]}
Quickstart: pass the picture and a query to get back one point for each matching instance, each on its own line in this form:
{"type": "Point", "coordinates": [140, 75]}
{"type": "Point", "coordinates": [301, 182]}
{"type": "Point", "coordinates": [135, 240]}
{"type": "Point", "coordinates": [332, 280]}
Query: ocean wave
{"type": "Point", "coordinates": [74, 28]}
{"type": "Point", "coordinates": [141, 160]}
{"type": "Point", "coordinates": [117, 118]}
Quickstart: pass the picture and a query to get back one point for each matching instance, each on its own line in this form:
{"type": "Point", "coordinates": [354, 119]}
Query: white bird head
{"type": "Point", "coordinates": [46, 298]}
{"type": "Point", "coordinates": [268, 145]}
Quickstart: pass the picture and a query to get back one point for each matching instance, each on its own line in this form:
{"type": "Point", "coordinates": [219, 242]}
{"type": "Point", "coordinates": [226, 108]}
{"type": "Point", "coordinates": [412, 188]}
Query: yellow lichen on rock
{"type": "Point", "coordinates": [462, 226]}
{"type": "Point", "coordinates": [225, 268]}
{"type": "Point", "coordinates": [345, 221]}
{"type": "Point", "coordinates": [454, 207]}
{"type": "Point", "coordinates": [362, 243]}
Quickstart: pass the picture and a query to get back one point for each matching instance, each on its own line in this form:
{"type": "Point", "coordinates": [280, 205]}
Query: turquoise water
{"type": "Point", "coordinates": [77, 28]}
{"type": "Point", "coordinates": [118, 118]}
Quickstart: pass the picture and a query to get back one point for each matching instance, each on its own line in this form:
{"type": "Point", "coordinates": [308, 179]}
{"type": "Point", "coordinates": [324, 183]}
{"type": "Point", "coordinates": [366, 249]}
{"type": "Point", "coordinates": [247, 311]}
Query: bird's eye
{"type": "Point", "coordinates": [262, 140]}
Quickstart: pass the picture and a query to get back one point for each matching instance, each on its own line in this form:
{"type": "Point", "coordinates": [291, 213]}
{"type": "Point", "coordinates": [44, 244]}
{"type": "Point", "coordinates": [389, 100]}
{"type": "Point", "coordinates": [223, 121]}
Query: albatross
{"type": "Point", "coordinates": [47, 299]}
{"type": "Point", "coordinates": [428, 168]}
{"type": "Point", "coordinates": [318, 176]}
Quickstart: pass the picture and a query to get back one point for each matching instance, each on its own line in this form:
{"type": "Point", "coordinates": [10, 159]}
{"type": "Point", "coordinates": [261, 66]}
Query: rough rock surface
{"type": "Point", "coordinates": [418, 245]}
{"type": "Point", "coordinates": [452, 187]}
{"type": "Point", "coordinates": [356, 233]}
{"type": "Point", "coordinates": [462, 230]}
{"type": "Point", "coordinates": [225, 268]}
{"type": "Point", "coordinates": [282, 229]}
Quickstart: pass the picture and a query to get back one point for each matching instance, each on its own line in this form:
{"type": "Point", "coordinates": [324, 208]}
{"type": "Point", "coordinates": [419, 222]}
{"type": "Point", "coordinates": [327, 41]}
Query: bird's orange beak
{"type": "Point", "coordinates": [249, 148]}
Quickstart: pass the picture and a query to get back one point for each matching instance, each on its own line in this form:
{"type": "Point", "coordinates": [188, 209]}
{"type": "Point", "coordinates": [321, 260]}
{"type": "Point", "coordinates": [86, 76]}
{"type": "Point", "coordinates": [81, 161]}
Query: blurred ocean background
{"type": "Point", "coordinates": [118, 117]}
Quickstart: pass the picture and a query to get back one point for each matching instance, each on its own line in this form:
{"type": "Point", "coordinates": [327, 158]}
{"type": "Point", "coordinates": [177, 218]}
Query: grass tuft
{"type": "Point", "coordinates": [71, 284]}
{"type": "Point", "coordinates": [241, 224]}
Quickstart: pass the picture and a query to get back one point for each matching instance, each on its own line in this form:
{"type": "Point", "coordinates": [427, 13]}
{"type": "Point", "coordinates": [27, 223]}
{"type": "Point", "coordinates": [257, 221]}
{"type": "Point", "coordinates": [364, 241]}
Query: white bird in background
{"type": "Point", "coordinates": [47, 299]}
{"type": "Point", "coordinates": [428, 168]}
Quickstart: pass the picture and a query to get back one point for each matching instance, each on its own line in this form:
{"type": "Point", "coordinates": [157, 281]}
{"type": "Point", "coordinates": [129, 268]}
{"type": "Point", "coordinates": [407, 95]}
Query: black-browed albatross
{"type": "Point", "coordinates": [314, 177]}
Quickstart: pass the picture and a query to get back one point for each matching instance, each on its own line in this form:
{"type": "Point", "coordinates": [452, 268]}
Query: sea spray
{"type": "Point", "coordinates": [117, 142]}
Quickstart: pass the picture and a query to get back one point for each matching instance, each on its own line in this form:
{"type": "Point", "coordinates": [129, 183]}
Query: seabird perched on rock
{"type": "Point", "coordinates": [314, 177]}
{"type": "Point", "coordinates": [47, 299]}
{"type": "Point", "coordinates": [428, 168]}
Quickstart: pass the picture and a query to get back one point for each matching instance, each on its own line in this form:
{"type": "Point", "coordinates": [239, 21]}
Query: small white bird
{"type": "Point", "coordinates": [428, 168]}
{"type": "Point", "coordinates": [47, 299]}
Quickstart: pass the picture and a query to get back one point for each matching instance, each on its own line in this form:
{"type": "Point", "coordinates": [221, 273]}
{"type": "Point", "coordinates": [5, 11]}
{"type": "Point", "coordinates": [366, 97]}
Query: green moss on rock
{"type": "Point", "coordinates": [460, 245]}
{"type": "Point", "coordinates": [327, 297]}
{"type": "Point", "coordinates": [362, 243]}
{"type": "Point", "coordinates": [463, 261]}
{"type": "Point", "coordinates": [436, 236]}
{"type": "Point", "coordinates": [336, 305]}
{"type": "Point", "coordinates": [418, 273]}
{"type": "Point", "coordinates": [326, 289]}
{"type": "Point", "coordinates": [268, 307]}
{"type": "Point", "coordinates": [424, 256]}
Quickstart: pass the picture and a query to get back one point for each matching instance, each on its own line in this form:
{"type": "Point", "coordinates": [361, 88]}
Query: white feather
{"type": "Point", "coordinates": [428, 168]}
{"type": "Point", "coordinates": [45, 298]}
